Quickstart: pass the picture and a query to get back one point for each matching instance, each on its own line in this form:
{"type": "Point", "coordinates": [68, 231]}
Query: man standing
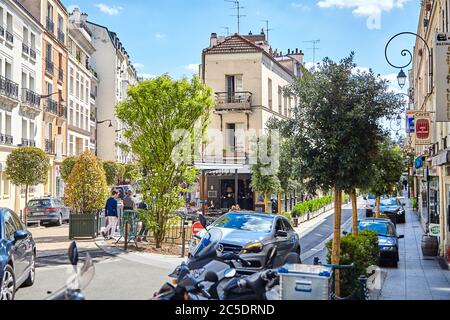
{"type": "Point", "coordinates": [111, 214]}
{"type": "Point", "coordinates": [128, 202]}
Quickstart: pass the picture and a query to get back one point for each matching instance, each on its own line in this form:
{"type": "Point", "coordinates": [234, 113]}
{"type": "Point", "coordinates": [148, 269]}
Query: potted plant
{"type": "Point", "coordinates": [86, 193]}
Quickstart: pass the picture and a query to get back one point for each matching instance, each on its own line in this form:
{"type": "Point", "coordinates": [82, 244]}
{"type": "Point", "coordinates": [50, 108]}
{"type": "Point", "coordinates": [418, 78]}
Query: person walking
{"type": "Point", "coordinates": [405, 184]}
{"type": "Point", "coordinates": [111, 213]}
{"type": "Point", "coordinates": [128, 202]}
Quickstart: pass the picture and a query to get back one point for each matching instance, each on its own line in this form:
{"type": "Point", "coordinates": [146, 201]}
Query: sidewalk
{"type": "Point", "coordinates": [417, 277]}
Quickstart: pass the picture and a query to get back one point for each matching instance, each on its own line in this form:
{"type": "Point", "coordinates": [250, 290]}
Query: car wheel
{"type": "Point", "coordinates": [8, 284]}
{"type": "Point", "coordinates": [30, 280]}
{"type": "Point", "coordinates": [60, 220]}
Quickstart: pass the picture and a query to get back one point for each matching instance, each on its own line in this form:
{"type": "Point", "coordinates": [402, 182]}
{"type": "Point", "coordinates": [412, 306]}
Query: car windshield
{"type": "Point", "coordinates": [389, 202]}
{"type": "Point", "coordinates": [39, 203]}
{"type": "Point", "coordinates": [245, 222]}
{"type": "Point", "coordinates": [381, 228]}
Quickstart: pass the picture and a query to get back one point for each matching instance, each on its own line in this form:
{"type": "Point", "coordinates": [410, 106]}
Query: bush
{"type": "Point", "coordinates": [311, 206]}
{"type": "Point", "coordinates": [288, 216]}
{"type": "Point", "coordinates": [362, 250]}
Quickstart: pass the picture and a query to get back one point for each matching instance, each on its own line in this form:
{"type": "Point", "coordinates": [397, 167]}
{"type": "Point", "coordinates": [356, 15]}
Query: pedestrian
{"type": "Point", "coordinates": [405, 184]}
{"type": "Point", "coordinates": [233, 209]}
{"type": "Point", "coordinates": [128, 202]}
{"type": "Point", "coordinates": [142, 236]}
{"type": "Point", "coordinates": [238, 207]}
{"type": "Point", "coordinates": [111, 214]}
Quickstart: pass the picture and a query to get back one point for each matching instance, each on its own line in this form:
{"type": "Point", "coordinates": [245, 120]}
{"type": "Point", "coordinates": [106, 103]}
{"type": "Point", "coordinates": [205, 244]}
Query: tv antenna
{"type": "Point", "coordinates": [238, 15]}
{"type": "Point", "coordinates": [228, 30]}
{"type": "Point", "coordinates": [267, 28]}
{"type": "Point", "coordinates": [314, 49]}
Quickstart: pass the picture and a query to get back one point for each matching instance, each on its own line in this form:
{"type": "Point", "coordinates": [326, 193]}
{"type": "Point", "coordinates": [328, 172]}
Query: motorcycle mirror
{"type": "Point", "coordinates": [73, 253]}
{"type": "Point", "coordinates": [230, 273]}
{"type": "Point", "coordinates": [203, 221]}
{"type": "Point", "coordinates": [211, 277]}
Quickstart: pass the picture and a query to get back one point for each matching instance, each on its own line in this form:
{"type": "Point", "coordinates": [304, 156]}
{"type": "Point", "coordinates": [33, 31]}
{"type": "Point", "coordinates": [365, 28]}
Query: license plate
{"type": "Point", "coordinates": [38, 214]}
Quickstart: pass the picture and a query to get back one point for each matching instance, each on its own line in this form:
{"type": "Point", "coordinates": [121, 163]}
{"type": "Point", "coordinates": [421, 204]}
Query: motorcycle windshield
{"type": "Point", "coordinates": [208, 243]}
{"type": "Point", "coordinates": [77, 281]}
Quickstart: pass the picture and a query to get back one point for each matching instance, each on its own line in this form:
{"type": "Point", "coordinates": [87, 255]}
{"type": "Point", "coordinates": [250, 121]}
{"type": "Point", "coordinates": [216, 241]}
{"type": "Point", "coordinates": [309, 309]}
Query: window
{"type": "Point", "coordinates": [49, 12]}
{"type": "Point", "coordinates": [71, 119]}
{"type": "Point", "coordinates": [285, 105]}
{"type": "Point", "coordinates": [77, 115]}
{"type": "Point", "coordinates": [82, 90]}
{"type": "Point", "coordinates": [8, 71]}
{"type": "Point", "coordinates": [25, 35]}
{"type": "Point", "coordinates": [71, 81]}
{"type": "Point", "coordinates": [10, 227]}
{"type": "Point", "coordinates": [231, 137]}
{"type": "Point", "coordinates": [234, 84]}
{"type": "Point", "coordinates": [279, 226]}
{"type": "Point", "coordinates": [32, 83]}
{"type": "Point", "coordinates": [24, 80]}
{"type": "Point", "coordinates": [60, 23]}
{"type": "Point", "coordinates": [18, 224]}
{"type": "Point", "coordinates": [287, 226]}
{"type": "Point", "coordinates": [32, 133]}
{"type": "Point", "coordinates": [32, 41]}
{"type": "Point", "coordinates": [8, 124]}
{"type": "Point", "coordinates": [9, 22]}
{"type": "Point", "coordinates": [280, 100]}
{"type": "Point", "coordinates": [269, 93]}
{"type": "Point", "coordinates": [49, 52]}
{"type": "Point", "coordinates": [24, 129]}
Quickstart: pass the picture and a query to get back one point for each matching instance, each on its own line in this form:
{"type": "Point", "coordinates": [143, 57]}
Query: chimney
{"type": "Point", "coordinates": [213, 41]}
{"type": "Point", "coordinates": [289, 51]}
{"type": "Point", "coordinates": [296, 50]}
{"type": "Point", "coordinates": [250, 33]}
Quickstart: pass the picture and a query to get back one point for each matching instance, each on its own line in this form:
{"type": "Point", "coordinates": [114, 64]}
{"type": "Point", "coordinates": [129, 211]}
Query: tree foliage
{"type": "Point", "coordinates": [165, 121]}
{"type": "Point", "coordinates": [111, 169]}
{"type": "Point", "coordinates": [66, 167]}
{"type": "Point", "coordinates": [86, 190]}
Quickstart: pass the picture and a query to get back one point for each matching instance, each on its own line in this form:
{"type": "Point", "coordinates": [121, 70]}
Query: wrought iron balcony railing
{"type": "Point", "coordinates": [49, 66]}
{"type": "Point", "coordinates": [25, 48]}
{"type": "Point", "coordinates": [51, 106]}
{"type": "Point", "coordinates": [60, 75]}
{"type": "Point", "coordinates": [9, 88]}
{"type": "Point", "coordinates": [234, 101]}
{"type": "Point", "coordinates": [61, 36]}
{"type": "Point", "coordinates": [49, 146]}
{"type": "Point", "coordinates": [9, 37]}
{"type": "Point", "coordinates": [31, 98]}
{"type": "Point", "coordinates": [33, 53]}
{"type": "Point", "coordinates": [28, 143]}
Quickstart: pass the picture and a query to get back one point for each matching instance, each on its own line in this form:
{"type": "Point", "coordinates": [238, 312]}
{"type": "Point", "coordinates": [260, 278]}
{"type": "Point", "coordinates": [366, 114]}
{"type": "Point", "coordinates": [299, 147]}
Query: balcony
{"type": "Point", "coordinates": [9, 37]}
{"type": "Point", "coordinates": [49, 67]}
{"type": "Point", "coordinates": [32, 54]}
{"type": "Point", "coordinates": [49, 146]}
{"type": "Point", "coordinates": [6, 139]}
{"type": "Point", "coordinates": [51, 106]}
{"type": "Point", "coordinates": [9, 94]}
{"type": "Point", "coordinates": [234, 102]}
{"type": "Point", "coordinates": [60, 76]}
{"type": "Point", "coordinates": [2, 31]}
{"type": "Point", "coordinates": [28, 143]}
{"type": "Point", "coordinates": [61, 36]}
{"type": "Point", "coordinates": [25, 49]}
{"type": "Point", "coordinates": [62, 112]}
{"type": "Point", "coordinates": [50, 26]}
{"type": "Point", "coordinates": [31, 103]}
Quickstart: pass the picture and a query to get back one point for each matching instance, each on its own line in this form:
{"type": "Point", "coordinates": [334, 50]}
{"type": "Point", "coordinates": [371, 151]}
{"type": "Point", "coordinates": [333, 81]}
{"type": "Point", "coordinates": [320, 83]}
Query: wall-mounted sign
{"type": "Point", "coordinates": [418, 163]}
{"type": "Point", "coordinates": [442, 74]}
{"type": "Point", "coordinates": [410, 128]}
{"type": "Point", "coordinates": [422, 127]}
{"type": "Point", "coordinates": [435, 229]}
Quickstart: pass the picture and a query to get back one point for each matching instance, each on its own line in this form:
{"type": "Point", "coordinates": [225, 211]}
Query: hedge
{"type": "Point", "coordinates": [311, 206]}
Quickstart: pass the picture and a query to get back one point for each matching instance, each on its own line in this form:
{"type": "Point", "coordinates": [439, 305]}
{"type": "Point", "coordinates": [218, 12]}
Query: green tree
{"type": "Point", "coordinates": [87, 190]}
{"type": "Point", "coordinates": [132, 172]}
{"type": "Point", "coordinates": [334, 130]}
{"type": "Point", "coordinates": [111, 170]}
{"type": "Point", "coordinates": [387, 170]}
{"type": "Point", "coordinates": [27, 166]}
{"type": "Point", "coordinates": [166, 121]}
{"type": "Point", "coordinates": [66, 167]}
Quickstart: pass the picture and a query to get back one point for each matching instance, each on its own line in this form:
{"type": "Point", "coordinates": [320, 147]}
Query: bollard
{"type": "Point", "coordinates": [183, 237]}
{"type": "Point", "coordinates": [364, 293]}
{"type": "Point", "coordinates": [126, 235]}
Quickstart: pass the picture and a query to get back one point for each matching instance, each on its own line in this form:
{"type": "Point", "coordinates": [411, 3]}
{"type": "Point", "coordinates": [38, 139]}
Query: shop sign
{"type": "Point", "coordinates": [410, 128]}
{"type": "Point", "coordinates": [435, 229]}
{"type": "Point", "coordinates": [418, 163]}
{"type": "Point", "coordinates": [422, 128]}
{"type": "Point", "coordinates": [442, 74]}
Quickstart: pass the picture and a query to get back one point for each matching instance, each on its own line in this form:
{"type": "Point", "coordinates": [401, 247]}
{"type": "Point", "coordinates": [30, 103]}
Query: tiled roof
{"type": "Point", "coordinates": [234, 44]}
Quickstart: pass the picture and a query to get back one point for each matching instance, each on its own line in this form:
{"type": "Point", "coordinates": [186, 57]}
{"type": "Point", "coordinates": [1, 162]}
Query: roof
{"type": "Point", "coordinates": [239, 44]}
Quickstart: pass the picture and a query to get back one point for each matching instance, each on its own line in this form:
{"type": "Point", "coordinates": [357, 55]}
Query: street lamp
{"type": "Point", "coordinates": [110, 123]}
{"type": "Point", "coordinates": [402, 76]}
{"type": "Point", "coordinates": [96, 133]}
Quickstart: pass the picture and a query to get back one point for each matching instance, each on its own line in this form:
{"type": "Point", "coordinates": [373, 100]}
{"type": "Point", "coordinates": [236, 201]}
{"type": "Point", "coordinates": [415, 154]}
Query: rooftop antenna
{"type": "Point", "coordinates": [267, 29]}
{"type": "Point", "coordinates": [238, 15]}
{"type": "Point", "coordinates": [314, 49]}
{"type": "Point", "coordinates": [228, 30]}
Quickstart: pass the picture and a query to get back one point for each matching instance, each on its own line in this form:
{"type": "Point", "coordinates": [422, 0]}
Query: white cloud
{"type": "Point", "coordinates": [112, 11]}
{"type": "Point", "coordinates": [301, 6]}
{"type": "Point", "coordinates": [372, 9]}
{"type": "Point", "coordinates": [193, 67]}
{"type": "Point", "coordinates": [138, 65]}
{"type": "Point", "coordinates": [160, 35]}
{"type": "Point", "coordinates": [72, 7]}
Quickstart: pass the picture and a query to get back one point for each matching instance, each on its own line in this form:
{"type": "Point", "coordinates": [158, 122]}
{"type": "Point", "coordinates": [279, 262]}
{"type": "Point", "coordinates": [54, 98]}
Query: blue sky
{"type": "Point", "coordinates": [168, 36]}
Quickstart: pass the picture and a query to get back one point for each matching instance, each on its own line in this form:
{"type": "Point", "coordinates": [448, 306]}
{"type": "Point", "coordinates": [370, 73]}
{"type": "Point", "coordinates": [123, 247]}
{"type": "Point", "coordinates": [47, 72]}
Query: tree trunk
{"type": "Point", "coordinates": [279, 203]}
{"type": "Point", "coordinates": [355, 212]}
{"type": "Point", "coordinates": [266, 203]}
{"type": "Point", "coordinates": [378, 207]}
{"type": "Point", "coordinates": [336, 249]}
{"type": "Point", "coordinates": [26, 202]}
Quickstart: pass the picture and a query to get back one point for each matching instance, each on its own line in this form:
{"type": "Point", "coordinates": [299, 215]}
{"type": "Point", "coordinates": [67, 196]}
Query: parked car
{"type": "Point", "coordinates": [17, 255]}
{"type": "Point", "coordinates": [257, 237]}
{"type": "Point", "coordinates": [393, 208]}
{"type": "Point", "coordinates": [387, 239]}
{"type": "Point", "coordinates": [49, 210]}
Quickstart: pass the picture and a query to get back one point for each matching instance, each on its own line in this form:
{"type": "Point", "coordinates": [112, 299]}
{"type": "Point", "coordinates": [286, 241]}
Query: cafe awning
{"type": "Point", "coordinates": [441, 159]}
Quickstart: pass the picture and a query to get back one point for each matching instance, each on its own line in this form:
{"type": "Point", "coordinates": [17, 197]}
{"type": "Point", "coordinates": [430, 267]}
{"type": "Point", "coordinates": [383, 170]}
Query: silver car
{"type": "Point", "coordinates": [265, 241]}
{"type": "Point", "coordinates": [50, 210]}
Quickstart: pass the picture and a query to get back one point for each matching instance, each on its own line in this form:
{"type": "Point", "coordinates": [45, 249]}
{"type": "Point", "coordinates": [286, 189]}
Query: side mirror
{"type": "Point", "coordinates": [73, 253]}
{"type": "Point", "coordinates": [281, 234]}
{"type": "Point", "coordinates": [203, 221]}
{"type": "Point", "coordinates": [401, 236]}
{"type": "Point", "coordinates": [20, 235]}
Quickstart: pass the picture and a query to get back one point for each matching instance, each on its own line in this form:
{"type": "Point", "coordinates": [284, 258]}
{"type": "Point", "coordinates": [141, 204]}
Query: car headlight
{"type": "Point", "coordinates": [255, 247]}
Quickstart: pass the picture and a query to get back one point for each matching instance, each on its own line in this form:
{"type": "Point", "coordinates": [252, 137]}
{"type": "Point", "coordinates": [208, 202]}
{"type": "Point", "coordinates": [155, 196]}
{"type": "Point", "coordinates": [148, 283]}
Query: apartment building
{"type": "Point", "coordinates": [53, 16]}
{"type": "Point", "coordinates": [429, 89]}
{"type": "Point", "coordinates": [116, 74]}
{"type": "Point", "coordinates": [20, 92]}
{"type": "Point", "coordinates": [248, 79]}
{"type": "Point", "coordinates": [81, 78]}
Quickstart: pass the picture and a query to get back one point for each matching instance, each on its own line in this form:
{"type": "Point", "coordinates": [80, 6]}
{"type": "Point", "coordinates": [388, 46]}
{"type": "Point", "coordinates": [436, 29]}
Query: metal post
{"type": "Point", "coordinates": [183, 237]}
{"type": "Point", "coordinates": [203, 192]}
{"type": "Point", "coordinates": [236, 187]}
{"type": "Point", "coordinates": [126, 235]}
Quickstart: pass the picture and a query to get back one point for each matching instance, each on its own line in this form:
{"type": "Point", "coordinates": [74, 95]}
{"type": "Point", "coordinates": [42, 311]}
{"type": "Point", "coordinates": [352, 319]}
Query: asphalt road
{"type": "Point", "coordinates": [118, 278]}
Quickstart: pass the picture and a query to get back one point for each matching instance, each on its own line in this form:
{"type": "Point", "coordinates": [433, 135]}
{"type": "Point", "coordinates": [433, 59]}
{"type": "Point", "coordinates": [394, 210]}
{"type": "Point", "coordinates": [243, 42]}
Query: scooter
{"type": "Point", "coordinates": [78, 281]}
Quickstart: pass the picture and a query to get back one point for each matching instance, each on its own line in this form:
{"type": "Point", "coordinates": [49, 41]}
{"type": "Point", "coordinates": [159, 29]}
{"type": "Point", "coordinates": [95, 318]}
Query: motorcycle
{"type": "Point", "coordinates": [78, 281]}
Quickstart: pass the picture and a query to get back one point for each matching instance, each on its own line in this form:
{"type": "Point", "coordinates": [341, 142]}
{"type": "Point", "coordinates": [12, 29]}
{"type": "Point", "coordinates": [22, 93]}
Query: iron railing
{"type": "Point", "coordinates": [9, 37]}
{"type": "Point", "coordinates": [237, 100]}
{"type": "Point", "coordinates": [31, 98]}
{"type": "Point", "coordinates": [2, 31]}
{"type": "Point", "coordinates": [62, 112]}
{"type": "Point", "coordinates": [49, 146]}
{"type": "Point", "coordinates": [60, 75]}
{"type": "Point", "coordinates": [25, 48]}
{"type": "Point", "coordinates": [49, 66]}
{"type": "Point", "coordinates": [51, 106]}
{"type": "Point", "coordinates": [9, 88]}
{"type": "Point", "coordinates": [61, 36]}
{"type": "Point", "coordinates": [33, 53]}
{"type": "Point", "coordinates": [28, 143]}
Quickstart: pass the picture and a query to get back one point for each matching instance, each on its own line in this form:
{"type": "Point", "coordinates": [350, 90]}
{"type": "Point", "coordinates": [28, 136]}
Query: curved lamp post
{"type": "Point", "coordinates": [402, 77]}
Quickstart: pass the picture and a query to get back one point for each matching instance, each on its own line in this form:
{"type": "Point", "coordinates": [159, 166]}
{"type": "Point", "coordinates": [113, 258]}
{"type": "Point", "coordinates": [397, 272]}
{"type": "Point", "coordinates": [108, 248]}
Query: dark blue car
{"type": "Point", "coordinates": [387, 238]}
{"type": "Point", "coordinates": [17, 255]}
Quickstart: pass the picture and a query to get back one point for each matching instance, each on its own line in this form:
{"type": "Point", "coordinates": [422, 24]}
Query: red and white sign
{"type": "Point", "coordinates": [197, 227]}
{"type": "Point", "coordinates": [423, 127]}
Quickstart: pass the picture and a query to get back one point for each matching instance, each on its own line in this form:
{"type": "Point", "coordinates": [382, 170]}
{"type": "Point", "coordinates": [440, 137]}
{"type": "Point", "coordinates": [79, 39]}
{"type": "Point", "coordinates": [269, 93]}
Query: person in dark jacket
{"type": "Point", "coordinates": [112, 214]}
{"type": "Point", "coordinates": [144, 231]}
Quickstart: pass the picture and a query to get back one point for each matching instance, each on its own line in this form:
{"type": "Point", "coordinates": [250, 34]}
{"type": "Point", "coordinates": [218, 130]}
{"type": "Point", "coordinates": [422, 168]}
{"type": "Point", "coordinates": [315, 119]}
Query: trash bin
{"type": "Point", "coordinates": [369, 212]}
{"type": "Point", "coordinates": [295, 220]}
{"type": "Point", "coordinates": [305, 282]}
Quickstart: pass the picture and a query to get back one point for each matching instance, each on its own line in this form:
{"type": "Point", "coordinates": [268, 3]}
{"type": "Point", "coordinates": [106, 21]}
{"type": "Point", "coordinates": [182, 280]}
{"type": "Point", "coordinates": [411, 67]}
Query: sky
{"type": "Point", "coordinates": [168, 36]}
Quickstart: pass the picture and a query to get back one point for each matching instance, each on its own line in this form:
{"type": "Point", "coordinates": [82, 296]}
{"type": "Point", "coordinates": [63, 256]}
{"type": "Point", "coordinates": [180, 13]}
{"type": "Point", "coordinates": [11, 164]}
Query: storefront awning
{"type": "Point", "coordinates": [441, 159]}
{"type": "Point", "coordinates": [218, 166]}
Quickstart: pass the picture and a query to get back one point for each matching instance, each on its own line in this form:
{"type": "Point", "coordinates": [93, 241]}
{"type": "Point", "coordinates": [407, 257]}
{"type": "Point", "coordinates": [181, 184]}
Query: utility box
{"type": "Point", "coordinates": [305, 282]}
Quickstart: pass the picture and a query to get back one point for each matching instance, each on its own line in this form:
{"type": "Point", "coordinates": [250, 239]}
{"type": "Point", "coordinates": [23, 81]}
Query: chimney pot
{"type": "Point", "coordinates": [250, 33]}
{"type": "Point", "coordinates": [213, 40]}
{"type": "Point", "coordinates": [289, 51]}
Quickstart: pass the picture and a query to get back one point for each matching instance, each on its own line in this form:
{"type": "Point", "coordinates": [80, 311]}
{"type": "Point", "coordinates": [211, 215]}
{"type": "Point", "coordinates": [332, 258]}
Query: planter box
{"type": "Point", "coordinates": [84, 226]}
